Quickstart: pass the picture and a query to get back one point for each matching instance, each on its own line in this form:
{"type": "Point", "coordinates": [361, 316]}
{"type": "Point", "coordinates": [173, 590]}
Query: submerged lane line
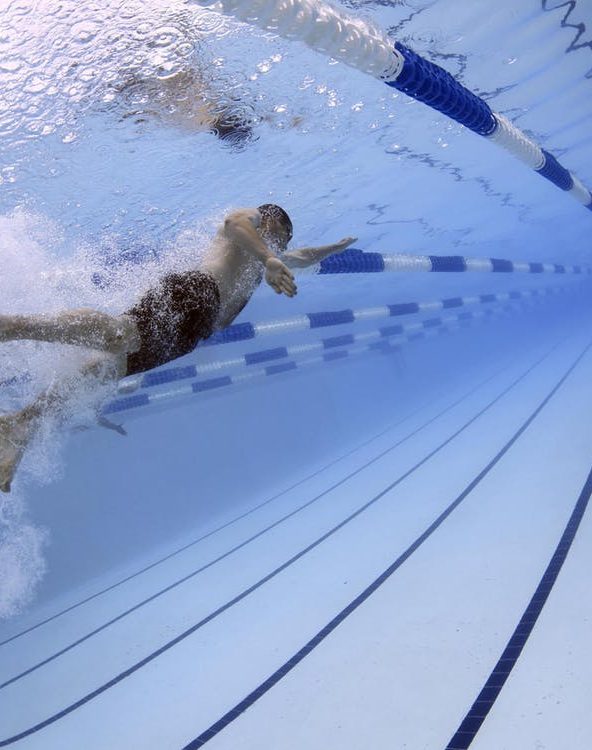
{"type": "Point", "coordinates": [483, 704]}
{"type": "Point", "coordinates": [250, 539]}
{"type": "Point", "coordinates": [246, 592]}
{"type": "Point", "coordinates": [273, 679]}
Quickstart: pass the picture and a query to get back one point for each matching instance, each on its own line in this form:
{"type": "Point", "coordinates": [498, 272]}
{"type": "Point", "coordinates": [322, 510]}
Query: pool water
{"type": "Point", "coordinates": [383, 548]}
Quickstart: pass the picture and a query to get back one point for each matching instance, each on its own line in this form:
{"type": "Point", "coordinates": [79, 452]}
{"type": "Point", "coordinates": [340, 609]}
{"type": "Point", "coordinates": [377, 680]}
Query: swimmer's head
{"type": "Point", "coordinates": [276, 226]}
{"type": "Point", "coordinates": [233, 129]}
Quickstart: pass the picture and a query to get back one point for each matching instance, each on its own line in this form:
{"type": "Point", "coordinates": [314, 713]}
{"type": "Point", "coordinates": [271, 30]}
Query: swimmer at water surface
{"type": "Point", "coordinates": [167, 322]}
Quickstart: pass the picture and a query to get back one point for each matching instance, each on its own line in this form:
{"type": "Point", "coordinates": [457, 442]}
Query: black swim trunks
{"type": "Point", "coordinates": [172, 318]}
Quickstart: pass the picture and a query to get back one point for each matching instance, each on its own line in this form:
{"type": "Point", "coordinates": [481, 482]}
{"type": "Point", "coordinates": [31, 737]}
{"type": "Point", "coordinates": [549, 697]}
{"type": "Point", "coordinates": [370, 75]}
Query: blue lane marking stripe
{"type": "Point", "coordinates": [323, 319]}
{"type": "Point", "coordinates": [447, 263]}
{"type": "Point", "coordinates": [266, 355]}
{"type": "Point", "coordinates": [265, 686]}
{"type": "Point", "coordinates": [559, 268]}
{"type": "Point", "coordinates": [432, 323]}
{"type": "Point", "coordinates": [129, 402]}
{"type": "Point", "coordinates": [453, 302]}
{"type": "Point", "coordinates": [170, 644]}
{"type": "Point", "coordinates": [483, 704]}
{"type": "Point", "coordinates": [488, 298]}
{"type": "Point", "coordinates": [332, 356]}
{"type": "Point", "coordinates": [235, 332]}
{"type": "Point", "coordinates": [334, 341]}
{"type": "Point", "coordinates": [536, 267]}
{"type": "Point", "coordinates": [436, 87]}
{"type": "Point", "coordinates": [159, 377]}
{"type": "Point", "coordinates": [403, 308]}
{"type": "Point", "coordinates": [391, 330]}
{"type": "Point", "coordinates": [352, 260]}
{"type": "Point", "coordinates": [277, 369]}
{"type": "Point", "coordinates": [209, 385]}
{"type": "Point", "coordinates": [553, 171]}
{"type": "Point", "coordinates": [499, 265]}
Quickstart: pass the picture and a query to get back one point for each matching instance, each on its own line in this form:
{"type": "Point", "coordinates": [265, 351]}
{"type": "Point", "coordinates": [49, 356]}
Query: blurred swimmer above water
{"type": "Point", "coordinates": [184, 100]}
{"type": "Point", "coordinates": [168, 320]}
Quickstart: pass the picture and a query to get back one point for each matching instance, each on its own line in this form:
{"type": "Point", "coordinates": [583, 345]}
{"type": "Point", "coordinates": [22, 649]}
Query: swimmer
{"type": "Point", "coordinates": [167, 322]}
{"type": "Point", "coordinates": [184, 101]}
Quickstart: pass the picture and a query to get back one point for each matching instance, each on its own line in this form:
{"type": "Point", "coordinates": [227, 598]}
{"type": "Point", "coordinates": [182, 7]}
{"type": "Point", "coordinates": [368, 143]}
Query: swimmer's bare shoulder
{"type": "Point", "coordinates": [226, 253]}
{"type": "Point", "coordinates": [243, 240]}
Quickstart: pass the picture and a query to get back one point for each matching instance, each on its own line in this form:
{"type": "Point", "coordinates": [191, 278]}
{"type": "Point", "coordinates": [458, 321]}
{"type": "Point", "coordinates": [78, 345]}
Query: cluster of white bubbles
{"type": "Point", "coordinates": [22, 563]}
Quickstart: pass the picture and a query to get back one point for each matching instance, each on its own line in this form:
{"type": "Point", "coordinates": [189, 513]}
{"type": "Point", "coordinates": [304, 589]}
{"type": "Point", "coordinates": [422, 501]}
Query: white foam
{"type": "Point", "coordinates": [22, 562]}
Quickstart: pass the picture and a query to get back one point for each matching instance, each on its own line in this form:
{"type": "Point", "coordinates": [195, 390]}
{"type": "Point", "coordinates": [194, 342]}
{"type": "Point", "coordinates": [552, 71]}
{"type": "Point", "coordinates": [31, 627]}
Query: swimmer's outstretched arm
{"type": "Point", "coordinates": [308, 256]}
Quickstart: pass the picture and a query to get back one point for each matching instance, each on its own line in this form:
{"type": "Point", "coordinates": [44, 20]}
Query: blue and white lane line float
{"type": "Point", "coordinates": [308, 321]}
{"type": "Point", "coordinates": [375, 342]}
{"type": "Point", "coordinates": [368, 49]}
{"type": "Point", "coordinates": [282, 353]}
{"type": "Point", "coordinates": [319, 320]}
{"type": "Point", "coordinates": [354, 260]}
{"type": "Point", "coordinates": [385, 340]}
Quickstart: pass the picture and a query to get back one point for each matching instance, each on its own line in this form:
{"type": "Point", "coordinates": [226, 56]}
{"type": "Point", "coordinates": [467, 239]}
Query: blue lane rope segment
{"type": "Point", "coordinates": [553, 171]}
{"type": "Point", "coordinates": [235, 332]}
{"type": "Point", "coordinates": [434, 86]}
{"type": "Point", "coordinates": [448, 263]}
{"type": "Point", "coordinates": [209, 385]}
{"type": "Point", "coordinates": [335, 341]}
{"type": "Point", "coordinates": [403, 308]}
{"type": "Point", "coordinates": [352, 260]}
{"type": "Point", "coordinates": [452, 302]}
{"type": "Point", "coordinates": [501, 266]}
{"type": "Point", "coordinates": [255, 358]}
{"type": "Point", "coordinates": [160, 377]}
{"type": "Point", "coordinates": [324, 319]}
{"type": "Point", "coordinates": [129, 402]}
{"type": "Point", "coordinates": [277, 369]}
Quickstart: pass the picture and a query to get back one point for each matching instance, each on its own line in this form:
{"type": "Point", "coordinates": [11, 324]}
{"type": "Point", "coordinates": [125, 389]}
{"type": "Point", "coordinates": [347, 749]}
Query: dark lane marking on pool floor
{"type": "Point", "coordinates": [483, 704]}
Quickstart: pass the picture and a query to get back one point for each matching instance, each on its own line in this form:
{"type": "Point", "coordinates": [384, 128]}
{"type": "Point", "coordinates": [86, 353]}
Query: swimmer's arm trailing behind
{"type": "Point", "coordinates": [309, 256]}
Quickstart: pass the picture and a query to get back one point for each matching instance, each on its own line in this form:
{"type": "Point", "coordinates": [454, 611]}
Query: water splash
{"type": "Point", "coordinates": [22, 562]}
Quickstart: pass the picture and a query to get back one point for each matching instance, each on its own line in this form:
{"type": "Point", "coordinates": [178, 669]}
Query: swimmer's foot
{"type": "Point", "coordinates": [16, 430]}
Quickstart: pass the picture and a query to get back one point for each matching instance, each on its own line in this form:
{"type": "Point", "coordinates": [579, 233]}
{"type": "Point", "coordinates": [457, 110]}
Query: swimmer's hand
{"type": "Point", "coordinates": [339, 247]}
{"type": "Point", "coordinates": [309, 256]}
{"type": "Point", "coordinates": [279, 277]}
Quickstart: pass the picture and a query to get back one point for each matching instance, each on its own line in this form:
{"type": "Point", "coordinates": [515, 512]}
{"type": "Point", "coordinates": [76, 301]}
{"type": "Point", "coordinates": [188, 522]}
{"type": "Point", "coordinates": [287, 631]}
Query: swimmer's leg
{"type": "Point", "coordinates": [18, 429]}
{"type": "Point", "coordinates": [85, 327]}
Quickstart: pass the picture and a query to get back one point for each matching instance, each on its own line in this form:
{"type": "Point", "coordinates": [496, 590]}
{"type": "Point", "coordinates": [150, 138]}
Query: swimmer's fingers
{"type": "Point", "coordinates": [287, 284]}
{"type": "Point", "coordinates": [345, 242]}
{"type": "Point", "coordinates": [280, 278]}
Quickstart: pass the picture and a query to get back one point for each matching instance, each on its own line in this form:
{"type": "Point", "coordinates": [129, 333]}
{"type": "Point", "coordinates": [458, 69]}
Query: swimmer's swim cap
{"type": "Point", "coordinates": [277, 212]}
